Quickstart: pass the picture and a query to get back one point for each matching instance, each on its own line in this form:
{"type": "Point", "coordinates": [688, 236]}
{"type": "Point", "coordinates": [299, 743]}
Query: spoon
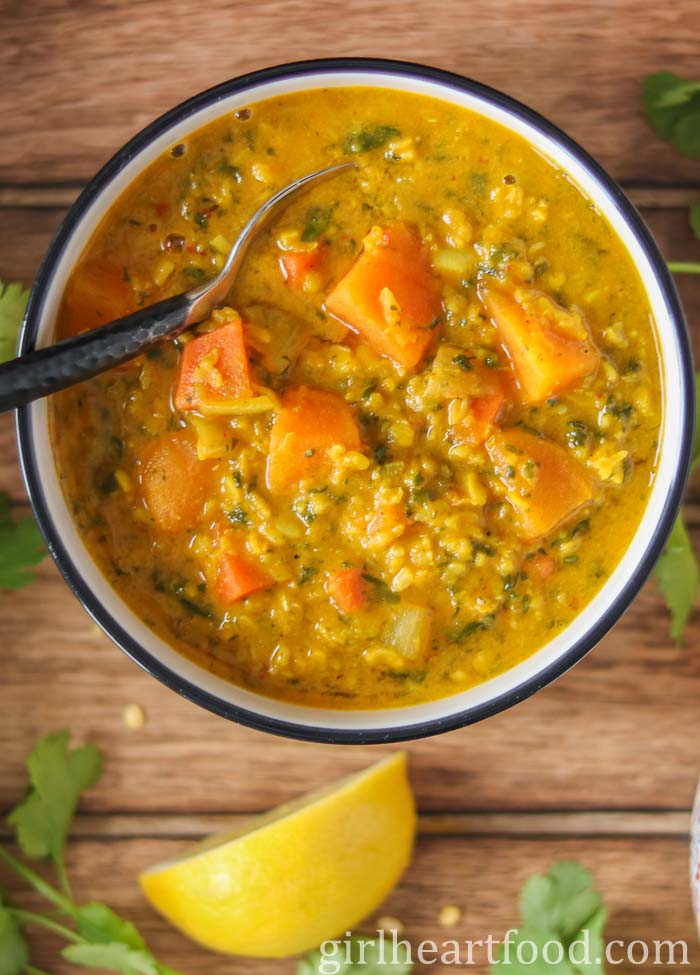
{"type": "Point", "coordinates": [42, 371]}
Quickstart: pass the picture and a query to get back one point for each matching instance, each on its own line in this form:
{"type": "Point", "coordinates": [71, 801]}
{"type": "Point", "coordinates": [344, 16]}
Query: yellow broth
{"type": "Point", "coordinates": [491, 211]}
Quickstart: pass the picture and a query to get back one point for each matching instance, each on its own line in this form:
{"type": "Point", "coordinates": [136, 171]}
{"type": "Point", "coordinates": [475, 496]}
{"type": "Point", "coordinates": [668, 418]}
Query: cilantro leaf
{"type": "Point", "coordinates": [98, 924]}
{"type": "Point", "coordinates": [594, 928]}
{"type": "Point", "coordinates": [678, 577]}
{"type": "Point", "coordinates": [21, 547]}
{"type": "Point", "coordinates": [317, 220]}
{"type": "Point", "coordinates": [561, 900]}
{"type": "Point", "coordinates": [371, 137]}
{"type": "Point", "coordinates": [13, 301]}
{"type": "Point", "coordinates": [672, 108]}
{"type": "Point", "coordinates": [14, 953]}
{"type": "Point", "coordinates": [562, 915]}
{"type": "Point", "coordinates": [58, 777]}
{"type": "Point", "coordinates": [695, 462]}
{"type": "Point", "coordinates": [348, 960]}
{"type": "Point", "coordinates": [694, 218]}
{"type": "Point", "coordinates": [115, 956]}
{"type": "Point", "coordinates": [532, 942]}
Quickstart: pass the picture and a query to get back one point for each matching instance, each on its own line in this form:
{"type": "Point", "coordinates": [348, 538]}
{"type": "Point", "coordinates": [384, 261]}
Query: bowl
{"type": "Point", "coordinates": [465, 707]}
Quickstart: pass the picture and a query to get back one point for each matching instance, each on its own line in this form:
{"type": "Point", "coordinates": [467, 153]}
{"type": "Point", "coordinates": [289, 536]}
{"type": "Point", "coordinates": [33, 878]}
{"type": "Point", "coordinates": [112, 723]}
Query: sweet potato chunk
{"type": "Point", "coordinates": [214, 369]}
{"type": "Point", "coordinates": [390, 296]}
{"type": "Point", "coordinates": [550, 348]}
{"type": "Point", "coordinates": [237, 577]}
{"type": "Point", "coordinates": [544, 484]}
{"type": "Point", "coordinates": [310, 422]}
{"type": "Point", "coordinates": [175, 482]}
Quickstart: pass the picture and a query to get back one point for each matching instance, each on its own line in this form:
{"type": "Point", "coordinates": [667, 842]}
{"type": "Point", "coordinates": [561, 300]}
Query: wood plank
{"type": "Point", "coordinates": [581, 65]}
{"type": "Point", "coordinates": [645, 889]}
{"type": "Point", "coordinates": [615, 733]}
{"type": "Point", "coordinates": [195, 826]}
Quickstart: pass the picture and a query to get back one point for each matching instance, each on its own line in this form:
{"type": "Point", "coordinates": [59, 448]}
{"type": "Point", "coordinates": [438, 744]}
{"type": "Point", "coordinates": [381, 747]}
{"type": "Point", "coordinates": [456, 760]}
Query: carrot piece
{"type": "Point", "coordinates": [174, 481]}
{"type": "Point", "coordinates": [214, 368]}
{"type": "Point", "coordinates": [237, 577]}
{"type": "Point", "coordinates": [550, 348]}
{"type": "Point", "coordinates": [390, 296]}
{"type": "Point", "coordinates": [310, 422]}
{"type": "Point", "coordinates": [544, 484]}
{"type": "Point", "coordinates": [96, 294]}
{"type": "Point", "coordinates": [347, 589]}
{"type": "Point", "coordinates": [297, 264]}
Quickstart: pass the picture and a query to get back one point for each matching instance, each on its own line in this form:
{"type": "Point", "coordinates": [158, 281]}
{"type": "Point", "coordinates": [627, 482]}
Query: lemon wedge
{"type": "Point", "coordinates": [298, 875]}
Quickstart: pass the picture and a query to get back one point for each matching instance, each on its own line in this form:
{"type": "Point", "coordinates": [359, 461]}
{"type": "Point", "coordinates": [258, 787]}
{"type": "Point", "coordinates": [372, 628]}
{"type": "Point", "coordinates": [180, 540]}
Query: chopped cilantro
{"type": "Point", "coordinates": [370, 137]}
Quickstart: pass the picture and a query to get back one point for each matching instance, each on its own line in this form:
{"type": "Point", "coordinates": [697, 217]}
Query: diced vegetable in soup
{"type": "Point", "coordinates": [418, 437]}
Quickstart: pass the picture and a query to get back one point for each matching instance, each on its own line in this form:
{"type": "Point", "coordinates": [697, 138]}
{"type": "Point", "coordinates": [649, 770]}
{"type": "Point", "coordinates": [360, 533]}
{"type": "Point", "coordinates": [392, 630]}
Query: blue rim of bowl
{"type": "Point", "coordinates": [234, 712]}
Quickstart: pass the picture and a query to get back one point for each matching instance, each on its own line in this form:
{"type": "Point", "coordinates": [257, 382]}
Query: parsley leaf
{"type": "Point", "coordinates": [317, 220]}
{"type": "Point", "coordinates": [13, 301]}
{"type": "Point", "coordinates": [14, 953]}
{"type": "Point", "coordinates": [58, 777]}
{"type": "Point", "coordinates": [348, 960]}
{"type": "Point", "coordinates": [672, 107]}
{"type": "Point", "coordinates": [678, 577]}
{"type": "Point", "coordinates": [371, 137]}
{"type": "Point", "coordinates": [558, 906]}
{"type": "Point", "coordinates": [21, 547]}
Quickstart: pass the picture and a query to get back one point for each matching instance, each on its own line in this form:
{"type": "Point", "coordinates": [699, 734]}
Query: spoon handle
{"type": "Point", "coordinates": [43, 371]}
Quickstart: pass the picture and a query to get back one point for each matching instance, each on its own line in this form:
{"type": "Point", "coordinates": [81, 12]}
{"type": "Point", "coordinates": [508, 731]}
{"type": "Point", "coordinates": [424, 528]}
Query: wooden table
{"type": "Point", "coordinates": [600, 766]}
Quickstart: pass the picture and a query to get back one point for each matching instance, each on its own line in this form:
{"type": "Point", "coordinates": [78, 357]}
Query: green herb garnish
{"type": "Point", "coordinates": [380, 592]}
{"type": "Point", "coordinates": [96, 936]}
{"type": "Point", "coordinates": [21, 546]}
{"type": "Point", "coordinates": [371, 137]}
{"type": "Point", "coordinates": [672, 107]}
{"type": "Point", "coordinates": [316, 222]}
{"type": "Point", "coordinates": [558, 906]}
{"type": "Point", "coordinates": [13, 301]}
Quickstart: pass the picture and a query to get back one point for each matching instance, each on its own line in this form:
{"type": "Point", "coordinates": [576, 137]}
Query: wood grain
{"type": "Point", "coordinates": [614, 733]}
{"type": "Point", "coordinates": [643, 883]}
{"type": "Point", "coordinates": [85, 77]}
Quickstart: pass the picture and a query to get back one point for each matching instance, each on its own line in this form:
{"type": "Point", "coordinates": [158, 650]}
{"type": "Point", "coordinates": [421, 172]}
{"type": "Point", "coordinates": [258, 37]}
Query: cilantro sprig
{"type": "Point", "coordinates": [13, 301]}
{"type": "Point", "coordinates": [672, 107]}
{"type": "Point", "coordinates": [560, 906]}
{"type": "Point", "coordinates": [21, 547]}
{"type": "Point", "coordinates": [21, 544]}
{"type": "Point", "coordinates": [677, 572]}
{"type": "Point", "coordinates": [96, 937]}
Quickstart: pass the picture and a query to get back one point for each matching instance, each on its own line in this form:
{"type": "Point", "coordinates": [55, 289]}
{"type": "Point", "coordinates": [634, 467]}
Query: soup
{"type": "Point", "coordinates": [418, 437]}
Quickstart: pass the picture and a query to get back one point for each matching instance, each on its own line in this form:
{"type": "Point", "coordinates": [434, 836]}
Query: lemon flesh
{"type": "Point", "coordinates": [298, 875]}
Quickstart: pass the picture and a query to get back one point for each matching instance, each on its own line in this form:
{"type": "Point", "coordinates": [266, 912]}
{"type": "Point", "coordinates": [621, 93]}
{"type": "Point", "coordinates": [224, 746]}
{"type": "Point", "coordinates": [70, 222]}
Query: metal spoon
{"type": "Point", "coordinates": [44, 371]}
